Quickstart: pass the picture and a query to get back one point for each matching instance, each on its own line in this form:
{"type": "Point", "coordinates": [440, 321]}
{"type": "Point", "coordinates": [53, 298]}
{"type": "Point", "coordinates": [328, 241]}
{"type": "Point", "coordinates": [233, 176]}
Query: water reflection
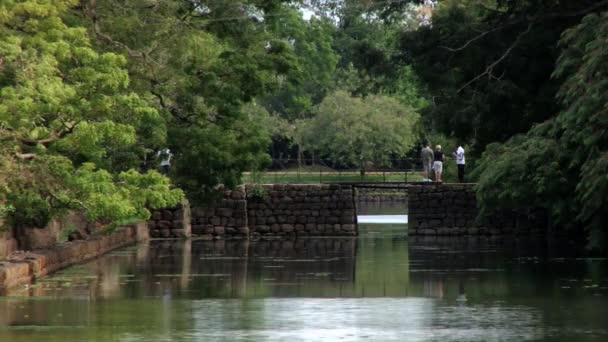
{"type": "Point", "coordinates": [380, 286]}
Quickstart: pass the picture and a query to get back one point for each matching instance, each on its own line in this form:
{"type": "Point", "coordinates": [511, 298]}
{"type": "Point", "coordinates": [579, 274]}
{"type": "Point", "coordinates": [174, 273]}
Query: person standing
{"type": "Point", "coordinates": [460, 162]}
{"type": "Point", "coordinates": [165, 160]}
{"type": "Point", "coordinates": [438, 159]}
{"type": "Point", "coordinates": [426, 155]}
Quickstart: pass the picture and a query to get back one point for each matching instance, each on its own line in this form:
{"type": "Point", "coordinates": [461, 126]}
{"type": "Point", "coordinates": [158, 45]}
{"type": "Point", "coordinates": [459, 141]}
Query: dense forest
{"type": "Point", "coordinates": [91, 90]}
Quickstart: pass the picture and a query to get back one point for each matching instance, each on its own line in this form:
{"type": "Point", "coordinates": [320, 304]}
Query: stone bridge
{"type": "Point", "coordinates": [293, 210]}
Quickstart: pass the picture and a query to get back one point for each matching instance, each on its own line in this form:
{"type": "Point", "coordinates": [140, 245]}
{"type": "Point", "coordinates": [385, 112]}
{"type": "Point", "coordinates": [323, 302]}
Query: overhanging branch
{"type": "Point", "coordinates": [490, 68]}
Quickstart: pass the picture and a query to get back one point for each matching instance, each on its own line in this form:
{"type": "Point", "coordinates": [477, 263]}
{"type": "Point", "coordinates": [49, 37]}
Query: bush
{"type": "Point", "coordinates": [28, 210]}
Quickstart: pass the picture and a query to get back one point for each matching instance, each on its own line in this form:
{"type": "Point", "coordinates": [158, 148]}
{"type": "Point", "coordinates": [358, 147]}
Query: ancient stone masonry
{"type": "Point", "coordinates": [8, 243]}
{"type": "Point", "coordinates": [226, 218]}
{"type": "Point", "coordinates": [451, 209]}
{"type": "Point", "coordinates": [22, 267]}
{"type": "Point", "coordinates": [271, 210]}
{"type": "Point", "coordinates": [171, 222]}
{"type": "Point", "coordinates": [381, 195]}
{"type": "Point", "coordinates": [381, 192]}
{"type": "Point", "coordinates": [301, 210]}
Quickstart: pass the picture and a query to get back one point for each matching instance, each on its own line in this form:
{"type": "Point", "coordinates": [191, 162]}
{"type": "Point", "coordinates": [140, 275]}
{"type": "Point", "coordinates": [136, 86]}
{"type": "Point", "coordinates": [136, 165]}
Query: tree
{"type": "Point", "coordinates": [199, 63]}
{"type": "Point", "coordinates": [307, 83]}
{"type": "Point", "coordinates": [72, 132]}
{"type": "Point", "coordinates": [358, 131]}
{"type": "Point", "coordinates": [488, 65]}
{"type": "Point", "coordinates": [562, 163]}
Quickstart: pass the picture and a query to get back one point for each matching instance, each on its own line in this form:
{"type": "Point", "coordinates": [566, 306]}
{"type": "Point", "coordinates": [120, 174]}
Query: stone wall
{"type": "Point", "coordinates": [23, 267]}
{"type": "Point", "coordinates": [289, 210]}
{"type": "Point", "coordinates": [73, 223]}
{"type": "Point", "coordinates": [451, 209]}
{"type": "Point", "coordinates": [381, 195]}
{"type": "Point", "coordinates": [226, 218]}
{"type": "Point", "coordinates": [381, 192]}
{"type": "Point", "coordinates": [8, 243]}
{"type": "Point", "coordinates": [171, 222]}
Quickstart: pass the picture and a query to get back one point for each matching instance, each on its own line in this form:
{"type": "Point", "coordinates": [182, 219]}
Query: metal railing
{"type": "Point", "coordinates": [324, 171]}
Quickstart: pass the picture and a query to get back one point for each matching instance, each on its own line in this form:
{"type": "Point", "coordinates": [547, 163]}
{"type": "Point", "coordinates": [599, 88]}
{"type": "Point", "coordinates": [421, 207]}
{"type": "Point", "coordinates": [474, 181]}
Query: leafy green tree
{"type": "Point", "coordinates": [307, 83]}
{"type": "Point", "coordinates": [199, 63]}
{"type": "Point", "coordinates": [487, 65]}
{"type": "Point", "coordinates": [561, 164]}
{"type": "Point", "coordinates": [360, 131]}
{"type": "Point", "coordinates": [72, 132]}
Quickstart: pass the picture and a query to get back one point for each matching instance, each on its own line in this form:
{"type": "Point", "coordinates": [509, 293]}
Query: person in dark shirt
{"type": "Point", "coordinates": [438, 159]}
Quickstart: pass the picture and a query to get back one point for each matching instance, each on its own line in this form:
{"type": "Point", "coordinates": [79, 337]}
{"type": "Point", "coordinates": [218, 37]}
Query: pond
{"type": "Point", "coordinates": [380, 286]}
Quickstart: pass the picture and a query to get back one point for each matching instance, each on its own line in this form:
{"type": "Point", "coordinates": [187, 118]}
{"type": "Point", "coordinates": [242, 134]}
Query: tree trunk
{"type": "Point", "coordinates": [299, 156]}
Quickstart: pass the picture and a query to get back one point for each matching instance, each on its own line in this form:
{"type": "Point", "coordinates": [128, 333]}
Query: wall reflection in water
{"type": "Point", "coordinates": [466, 289]}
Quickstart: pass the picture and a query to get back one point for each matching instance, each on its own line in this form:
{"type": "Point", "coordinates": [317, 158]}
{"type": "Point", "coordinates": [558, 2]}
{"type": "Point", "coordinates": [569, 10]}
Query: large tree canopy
{"type": "Point", "coordinates": [71, 129]}
{"type": "Point", "coordinates": [562, 164]}
{"type": "Point", "coordinates": [198, 63]}
{"type": "Point", "coordinates": [358, 131]}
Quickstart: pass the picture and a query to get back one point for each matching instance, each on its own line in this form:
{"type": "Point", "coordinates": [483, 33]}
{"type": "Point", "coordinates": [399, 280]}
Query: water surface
{"type": "Point", "coordinates": [381, 286]}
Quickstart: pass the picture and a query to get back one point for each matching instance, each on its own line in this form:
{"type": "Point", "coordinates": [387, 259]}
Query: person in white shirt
{"type": "Point", "coordinates": [460, 162]}
{"type": "Point", "coordinates": [165, 159]}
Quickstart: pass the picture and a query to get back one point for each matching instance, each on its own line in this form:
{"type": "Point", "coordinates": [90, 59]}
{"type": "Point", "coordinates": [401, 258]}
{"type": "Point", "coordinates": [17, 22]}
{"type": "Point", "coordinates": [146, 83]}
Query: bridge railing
{"type": "Point", "coordinates": [326, 171]}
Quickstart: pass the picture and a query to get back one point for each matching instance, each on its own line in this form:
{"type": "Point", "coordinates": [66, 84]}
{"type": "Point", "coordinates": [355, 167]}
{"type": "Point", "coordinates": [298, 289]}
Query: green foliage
{"type": "Point", "coordinates": [29, 209]}
{"type": "Point", "coordinates": [357, 131]}
{"type": "Point", "coordinates": [307, 83]}
{"type": "Point", "coordinates": [201, 67]}
{"type": "Point", "coordinates": [70, 124]}
{"type": "Point", "coordinates": [64, 234]}
{"type": "Point", "coordinates": [258, 192]}
{"type": "Point", "coordinates": [488, 75]}
{"type": "Point", "coordinates": [562, 164]}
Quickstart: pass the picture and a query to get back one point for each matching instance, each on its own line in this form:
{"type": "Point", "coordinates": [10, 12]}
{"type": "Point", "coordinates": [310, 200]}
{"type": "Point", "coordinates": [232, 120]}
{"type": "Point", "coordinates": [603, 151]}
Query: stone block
{"type": "Point", "coordinates": [262, 228]}
{"type": "Point", "coordinates": [225, 212]}
{"type": "Point", "coordinates": [163, 225]}
{"type": "Point", "coordinates": [434, 223]}
{"type": "Point", "coordinates": [177, 224]}
{"type": "Point", "coordinates": [198, 229]}
{"type": "Point", "coordinates": [167, 215]}
{"type": "Point", "coordinates": [349, 227]}
{"type": "Point", "coordinates": [348, 219]}
{"type": "Point", "coordinates": [179, 233]}
{"type": "Point", "coordinates": [332, 220]}
{"type": "Point", "coordinates": [219, 230]}
{"type": "Point", "coordinates": [444, 231]}
{"type": "Point", "coordinates": [287, 227]}
{"type": "Point", "coordinates": [427, 231]}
